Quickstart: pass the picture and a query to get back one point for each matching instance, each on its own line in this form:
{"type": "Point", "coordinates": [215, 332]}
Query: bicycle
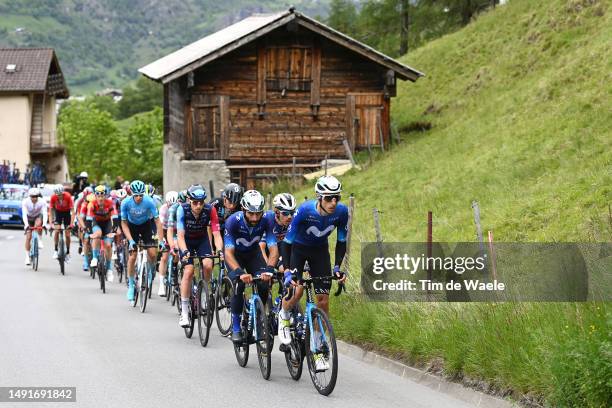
{"type": "Point", "coordinates": [34, 246]}
{"type": "Point", "coordinates": [255, 328]}
{"type": "Point", "coordinates": [102, 269]}
{"type": "Point", "coordinates": [142, 286]}
{"type": "Point", "coordinates": [170, 279]}
{"type": "Point", "coordinates": [223, 291]}
{"type": "Point", "coordinates": [201, 301]}
{"type": "Point", "coordinates": [61, 249]}
{"type": "Point", "coordinates": [304, 344]}
{"type": "Point", "coordinates": [122, 258]}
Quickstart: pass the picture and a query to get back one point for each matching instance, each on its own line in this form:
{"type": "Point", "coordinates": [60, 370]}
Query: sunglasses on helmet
{"type": "Point", "coordinates": [287, 213]}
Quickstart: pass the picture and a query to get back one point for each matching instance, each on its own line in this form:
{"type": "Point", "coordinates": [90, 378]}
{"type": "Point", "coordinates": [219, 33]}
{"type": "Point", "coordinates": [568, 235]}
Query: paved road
{"type": "Point", "coordinates": [62, 331]}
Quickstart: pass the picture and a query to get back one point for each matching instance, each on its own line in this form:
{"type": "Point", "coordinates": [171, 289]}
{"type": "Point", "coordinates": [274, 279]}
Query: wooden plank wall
{"type": "Point", "coordinates": [266, 127]}
{"type": "Point", "coordinates": [175, 112]}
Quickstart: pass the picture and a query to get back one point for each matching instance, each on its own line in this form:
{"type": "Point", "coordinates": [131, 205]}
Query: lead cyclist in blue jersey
{"type": "Point", "coordinates": [307, 241]}
{"type": "Point", "coordinates": [243, 231]}
{"type": "Point", "coordinates": [138, 216]}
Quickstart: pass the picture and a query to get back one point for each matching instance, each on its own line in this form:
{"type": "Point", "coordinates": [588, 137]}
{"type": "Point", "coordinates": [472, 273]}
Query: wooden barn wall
{"type": "Point", "coordinates": [174, 125]}
{"type": "Point", "coordinates": [287, 128]}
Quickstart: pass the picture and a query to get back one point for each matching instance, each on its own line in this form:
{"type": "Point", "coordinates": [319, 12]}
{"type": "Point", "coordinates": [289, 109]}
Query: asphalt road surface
{"type": "Point", "coordinates": [62, 331]}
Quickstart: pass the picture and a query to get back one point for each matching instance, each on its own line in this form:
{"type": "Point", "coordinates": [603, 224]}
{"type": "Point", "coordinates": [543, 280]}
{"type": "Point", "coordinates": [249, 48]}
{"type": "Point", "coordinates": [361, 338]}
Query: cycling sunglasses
{"type": "Point", "coordinates": [138, 195]}
{"type": "Point", "coordinates": [98, 193]}
{"type": "Point", "coordinates": [197, 202]}
{"type": "Point", "coordinates": [330, 198]}
{"type": "Point", "coordinates": [287, 213]}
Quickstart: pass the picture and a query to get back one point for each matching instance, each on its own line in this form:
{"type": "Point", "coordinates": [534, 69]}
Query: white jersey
{"type": "Point", "coordinates": [31, 210]}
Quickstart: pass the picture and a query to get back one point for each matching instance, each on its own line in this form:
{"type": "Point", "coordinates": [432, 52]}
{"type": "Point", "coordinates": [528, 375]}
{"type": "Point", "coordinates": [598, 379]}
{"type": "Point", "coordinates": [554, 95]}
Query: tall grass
{"type": "Point", "coordinates": [520, 107]}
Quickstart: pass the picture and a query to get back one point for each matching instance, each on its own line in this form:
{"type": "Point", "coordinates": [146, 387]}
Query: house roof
{"type": "Point", "coordinates": [30, 70]}
{"type": "Point", "coordinates": [215, 45]}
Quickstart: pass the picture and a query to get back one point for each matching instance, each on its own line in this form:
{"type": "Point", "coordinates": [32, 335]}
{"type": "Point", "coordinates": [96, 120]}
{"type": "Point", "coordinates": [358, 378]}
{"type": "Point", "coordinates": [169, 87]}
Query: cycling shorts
{"type": "Point", "coordinates": [62, 218]}
{"type": "Point", "coordinates": [319, 261]}
{"type": "Point", "coordinates": [200, 246]}
{"type": "Point", "coordinates": [142, 232]}
{"type": "Point", "coordinates": [105, 226]}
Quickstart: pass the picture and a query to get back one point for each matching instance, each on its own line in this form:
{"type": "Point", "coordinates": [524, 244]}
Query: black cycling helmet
{"type": "Point", "coordinates": [233, 193]}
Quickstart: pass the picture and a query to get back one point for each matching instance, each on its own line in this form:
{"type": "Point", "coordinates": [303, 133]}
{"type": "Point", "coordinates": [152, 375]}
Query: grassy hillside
{"type": "Point", "coordinates": [140, 31]}
{"type": "Point", "coordinates": [519, 103]}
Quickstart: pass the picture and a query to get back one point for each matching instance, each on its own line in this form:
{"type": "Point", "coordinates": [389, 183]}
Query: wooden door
{"type": "Point", "coordinates": [368, 112]}
{"type": "Point", "coordinates": [210, 127]}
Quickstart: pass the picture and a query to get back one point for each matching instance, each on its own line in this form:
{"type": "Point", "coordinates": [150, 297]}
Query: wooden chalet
{"type": "Point", "coordinates": [272, 88]}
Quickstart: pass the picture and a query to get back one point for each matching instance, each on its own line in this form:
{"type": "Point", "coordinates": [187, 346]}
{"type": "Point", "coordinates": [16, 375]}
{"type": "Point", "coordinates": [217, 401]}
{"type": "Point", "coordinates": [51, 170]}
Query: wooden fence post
{"type": "Point", "coordinates": [211, 186]}
{"type": "Point", "coordinates": [492, 252]}
{"type": "Point", "coordinates": [429, 248]}
{"type": "Point", "coordinates": [269, 200]}
{"type": "Point", "coordinates": [347, 148]}
{"type": "Point", "coordinates": [378, 234]}
{"type": "Point", "coordinates": [293, 173]}
{"type": "Point", "coordinates": [476, 209]}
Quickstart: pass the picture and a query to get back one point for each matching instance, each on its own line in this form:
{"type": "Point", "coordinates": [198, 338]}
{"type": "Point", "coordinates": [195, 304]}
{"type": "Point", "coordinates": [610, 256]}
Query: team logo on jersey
{"type": "Point", "coordinates": [318, 233]}
{"type": "Point", "coordinates": [245, 243]}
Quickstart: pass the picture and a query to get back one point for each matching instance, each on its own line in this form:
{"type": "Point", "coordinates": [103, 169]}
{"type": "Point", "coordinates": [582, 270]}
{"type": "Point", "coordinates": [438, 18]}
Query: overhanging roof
{"type": "Point", "coordinates": [213, 46]}
{"type": "Point", "coordinates": [31, 71]}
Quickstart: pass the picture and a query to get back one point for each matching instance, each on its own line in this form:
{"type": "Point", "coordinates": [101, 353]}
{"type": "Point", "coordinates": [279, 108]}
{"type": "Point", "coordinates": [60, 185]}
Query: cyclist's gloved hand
{"type": "Point", "coordinates": [235, 274]}
{"type": "Point", "coordinates": [184, 255]}
{"type": "Point", "coordinates": [341, 275]}
{"type": "Point", "coordinates": [115, 224]}
{"type": "Point", "coordinates": [132, 246]}
{"type": "Point", "coordinates": [288, 277]}
{"type": "Point", "coordinates": [269, 269]}
{"type": "Point", "coordinates": [162, 245]}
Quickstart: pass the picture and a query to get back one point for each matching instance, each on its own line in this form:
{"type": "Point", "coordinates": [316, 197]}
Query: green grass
{"type": "Point", "coordinates": [519, 103]}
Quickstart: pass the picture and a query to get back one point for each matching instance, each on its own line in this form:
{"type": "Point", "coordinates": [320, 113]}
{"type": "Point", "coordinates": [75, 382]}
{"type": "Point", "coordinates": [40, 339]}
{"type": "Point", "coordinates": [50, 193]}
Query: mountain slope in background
{"type": "Point", "coordinates": [102, 43]}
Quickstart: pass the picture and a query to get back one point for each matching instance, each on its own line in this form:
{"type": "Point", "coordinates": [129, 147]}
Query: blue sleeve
{"type": "Point", "coordinates": [293, 227]}
{"type": "Point", "coordinates": [153, 207]}
{"type": "Point", "coordinates": [180, 218]}
{"type": "Point", "coordinates": [343, 226]}
{"type": "Point", "coordinates": [228, 239]}
{"type": "Point", "coordinates": [124, 209]}
{"type": "Point", "coordinates": [269, 232]}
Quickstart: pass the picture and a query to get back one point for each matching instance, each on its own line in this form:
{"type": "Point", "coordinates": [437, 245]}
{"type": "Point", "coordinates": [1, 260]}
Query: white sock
{"type": "Point", "coordinates": [184, 306]}
{"type": "Point", "coordinates": [284, 315]}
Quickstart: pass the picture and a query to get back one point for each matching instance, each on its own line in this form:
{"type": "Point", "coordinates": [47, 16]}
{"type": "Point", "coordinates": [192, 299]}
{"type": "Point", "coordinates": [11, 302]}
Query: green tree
{"type": "Point", "coordinates": [342, 16]}
{"type": "Point", "coordinates": [92, 141]}
{"type": "Point", "coordinates": [144, 142]}
{"type": "Point", "coordinates": [144, 96]}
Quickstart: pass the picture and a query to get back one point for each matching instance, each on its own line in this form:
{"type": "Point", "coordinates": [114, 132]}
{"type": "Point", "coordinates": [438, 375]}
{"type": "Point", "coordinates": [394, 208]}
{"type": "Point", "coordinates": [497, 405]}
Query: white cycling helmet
{"type": "Point", "coordinates": [84, 174]}
{"type": "Point", "coordinates": [121, 193]}
{"type": "Point", "coordinates": [34, 192]}
{"type": "Point", "coordinates": [252, 201]}
{"type": "Point", "coordinates": [327, 185]}
{"type": "Point", "coordinates": [59, 189]}
{"type": "Point", "coordinates": [171, 197]}
{"type": "Point", "coordinates": [284, 202]}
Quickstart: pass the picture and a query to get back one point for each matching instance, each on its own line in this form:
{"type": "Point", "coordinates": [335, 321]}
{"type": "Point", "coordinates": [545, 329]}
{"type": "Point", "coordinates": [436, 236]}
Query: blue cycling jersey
{"type": "Point", "coordinates": [310, 228]}
{"type": "Point", "coordinates": [138, 214]}
{"type": "Point", "coordinates": [172, 215]}
{"type": "Point", "coordinates": [279, 230]}
{"type": "Point", "coordinates": [196, 227]}
{"type": "Point", "coordinates": [242, 237]}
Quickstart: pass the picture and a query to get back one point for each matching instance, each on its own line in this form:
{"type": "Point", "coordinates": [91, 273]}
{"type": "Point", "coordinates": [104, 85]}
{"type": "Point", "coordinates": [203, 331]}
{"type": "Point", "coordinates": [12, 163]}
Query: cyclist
{"type": "Point", "coordinates": [171, 199]}
{"type": "Point", "coordinates": [306, 241]}
{"type": "Point", "coordinates": [103, 213]}
{"type": "Point", "coordinates": [192, 222]}
{"type": "Point", "coordinates": [138, 215]}
{"type": "Point", "coordinates": [61, 213]}
{"type": "Point", "coordinates": [243, 231]}
{"type": "Point", "coordinates": [81, 215]}
{"type": "Point", "coordinates": [227, 204]}
{"type": "Point", "coordinates": [33, 214]}
{"type": "Point", "coordinates": [80, 183]}
{"type": "Point", "coordinates": [284, 208]}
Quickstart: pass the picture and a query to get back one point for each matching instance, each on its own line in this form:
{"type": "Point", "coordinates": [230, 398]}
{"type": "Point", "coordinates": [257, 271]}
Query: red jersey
{"type": "Point", "coordinates": [62, 203]}
{"type": "Point", "coordinates": [101, 212]}
{"type": "Point", "coordinates": [83, 209]}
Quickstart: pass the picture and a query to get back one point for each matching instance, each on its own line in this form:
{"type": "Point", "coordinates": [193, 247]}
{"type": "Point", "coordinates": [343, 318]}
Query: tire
{"type": "Point", "coordinates": [143, 289]}
{"type": "Point", "coordinates": [136, 292]}
{"type": "Point", "coordinates": [203, 312]}
{"type": "Point", "coordinates": [102, 272]}
{"type": "Point", "coordinates": [263, 340]}
{"type": "Point", "coordinates": [294, 356]}
{"type": "Point", "coordinates": [62, 253]}
{"type": "Point", "coordinates": [325, 381]}
{"type": "Point", "coordinates": [223, 312]}
{"type": "Point", "coordinates": [189, 329]}
{"type": "Point", "coordinates": [242, 350]}
{"type": "Point", "coordinates": [35, 255]}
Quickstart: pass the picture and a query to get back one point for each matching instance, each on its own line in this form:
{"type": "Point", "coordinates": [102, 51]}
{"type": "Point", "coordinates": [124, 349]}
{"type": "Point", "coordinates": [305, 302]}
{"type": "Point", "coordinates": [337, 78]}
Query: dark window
{"type": "Point", "coordinates": [288, 68]}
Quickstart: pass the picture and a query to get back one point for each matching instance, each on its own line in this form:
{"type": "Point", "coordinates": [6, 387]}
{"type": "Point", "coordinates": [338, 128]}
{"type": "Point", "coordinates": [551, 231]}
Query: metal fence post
{"type": "Point", "coordinates": [349, 236]}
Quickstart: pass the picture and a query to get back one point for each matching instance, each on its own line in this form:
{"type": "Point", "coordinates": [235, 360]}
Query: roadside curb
{"type": "Point", "coordinates": [439, 384]}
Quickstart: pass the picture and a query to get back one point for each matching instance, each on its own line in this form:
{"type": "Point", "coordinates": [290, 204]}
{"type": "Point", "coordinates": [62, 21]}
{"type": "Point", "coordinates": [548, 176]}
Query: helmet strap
{"type": "Point", "coordinates": [320, 204]}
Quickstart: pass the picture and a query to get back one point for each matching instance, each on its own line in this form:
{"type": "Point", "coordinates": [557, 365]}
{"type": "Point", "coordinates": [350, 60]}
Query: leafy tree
{"type": "Point", "coordinates": [144, 147]}
{"type": "Point", "coordinates": [144, 96]}
{"type": "Point", "coordinates": [342, 16]}
{"type": "Point", "coordinates": [104, 104]}
{"type": "Point", "coordinates": [93, 143]}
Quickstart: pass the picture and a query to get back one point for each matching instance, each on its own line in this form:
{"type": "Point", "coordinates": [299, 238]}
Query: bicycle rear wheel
{"type": "Point", "coordinates": [263, 340]}
{"type": "Point", "coordinates": [323, 341]}
{"type": "Point", "coordinates": [223, 311]}
{"type": "Point", "coordinates": [189, 329]}
{"type": "Point", "coordinates": [203, 312]}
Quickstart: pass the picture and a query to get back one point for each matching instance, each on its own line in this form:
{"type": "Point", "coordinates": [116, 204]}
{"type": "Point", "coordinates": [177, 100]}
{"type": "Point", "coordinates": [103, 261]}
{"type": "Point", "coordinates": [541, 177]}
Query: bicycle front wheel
{"type": "Point", "coordinates": [223, 311]}
{"type": "Point", "coordinates": [242, 349]}
{"type": "Point", "coordinates": [203, 312]}
{"type": "Point", "coordinates": [144, 288]}
{"type": "Point", "coordinates": [321, 352]}
{"type": "Point", "coordinates": [263, 340]}
{"type": "Point", "coordinates": [294, 352]}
